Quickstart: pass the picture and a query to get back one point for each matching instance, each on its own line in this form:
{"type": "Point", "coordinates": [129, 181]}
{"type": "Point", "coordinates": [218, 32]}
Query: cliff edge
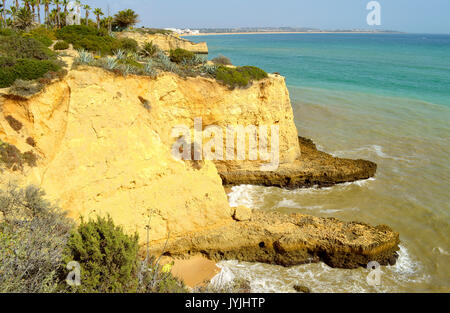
{"type": "Point", "coordinates": [104, 148]}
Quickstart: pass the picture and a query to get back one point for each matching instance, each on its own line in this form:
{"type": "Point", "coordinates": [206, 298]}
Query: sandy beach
{"type": "Point", "coordinates": [194, 271]}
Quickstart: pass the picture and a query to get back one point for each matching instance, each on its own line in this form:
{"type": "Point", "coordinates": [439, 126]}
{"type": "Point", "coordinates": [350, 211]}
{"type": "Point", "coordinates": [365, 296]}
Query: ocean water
{"type": "Point", "coordinates": [381, 97]}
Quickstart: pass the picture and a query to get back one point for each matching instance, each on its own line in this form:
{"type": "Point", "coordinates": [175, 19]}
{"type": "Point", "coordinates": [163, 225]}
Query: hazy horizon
{"type": "Point", "coordinates": [411, 16]}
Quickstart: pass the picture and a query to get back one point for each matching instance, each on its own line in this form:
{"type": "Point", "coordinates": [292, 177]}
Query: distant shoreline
{"type": "Point", "coordinates": [259, 33]}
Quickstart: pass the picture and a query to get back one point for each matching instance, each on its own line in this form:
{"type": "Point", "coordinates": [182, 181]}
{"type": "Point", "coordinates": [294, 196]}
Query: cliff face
{"type": "Point", "coordinates": [167, 42]}
{"type": "Point", "coordinates": [104, 144]}
{"type": "Point", "coordinates": [100, 153]}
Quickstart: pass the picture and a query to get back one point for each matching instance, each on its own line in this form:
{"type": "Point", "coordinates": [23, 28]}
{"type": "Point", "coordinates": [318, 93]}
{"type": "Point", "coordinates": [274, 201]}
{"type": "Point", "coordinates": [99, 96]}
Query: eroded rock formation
{"type": "Point", "coordinates": [104, 146]}
{"type": "Point", "coordinates": [167, 42]}
{"type": "Point", "coordinates": [312, 168]}
{"type": "Point", "coordinates": [294, 239]}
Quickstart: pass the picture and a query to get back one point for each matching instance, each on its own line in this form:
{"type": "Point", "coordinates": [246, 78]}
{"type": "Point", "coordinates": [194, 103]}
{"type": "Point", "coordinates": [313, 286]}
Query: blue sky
{"type": "Point", "coordinates": [417, 16]}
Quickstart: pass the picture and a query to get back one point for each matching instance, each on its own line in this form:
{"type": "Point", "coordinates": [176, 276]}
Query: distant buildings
{"type": "Point", "coordinates": [186, 31]}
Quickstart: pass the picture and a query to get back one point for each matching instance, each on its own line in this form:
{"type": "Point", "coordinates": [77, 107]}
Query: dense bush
{"type": "Point", "coordinates": [239, 76]}
{"type": "Point", "coordinates": [61, 45]}
{"type": "Point", "coordinates": [7, 32]}
{"type": "Point", "coordinates": [26, 88]}
{"type": "Point", "coordinates": [221, 60]}
{"type": "Point", "coordinates": [128, 44]}
{"type": "Point", "coordinates": [88, 38]}
{"type": "Point", "coordinates": [42, 34]}
{"type": "Point", "coordinates": [179, 55]}
{"type": "Point", "coordinates": [21, 47]}
{"type": "Point", "coordinates": [24, 69]}
{"type": "Point", "coordinates": [32, 238]}
{"type": "Point", "coordinates": [107, 256]}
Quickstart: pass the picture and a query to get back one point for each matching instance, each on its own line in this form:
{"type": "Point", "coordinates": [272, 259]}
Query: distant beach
{"type": "Point", "coordinates": [272, 33]}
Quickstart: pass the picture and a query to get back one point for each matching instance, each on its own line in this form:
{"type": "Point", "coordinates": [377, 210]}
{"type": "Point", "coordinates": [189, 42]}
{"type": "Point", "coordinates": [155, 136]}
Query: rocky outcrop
{"type": "Point", "coordinates": [313, 168]}
{"type": "Point", "coordinates": [294, 239]}
{"type": "Point", "coordinates": [104, 145]}
{"type": "Point", "coordinates": [167, 42]}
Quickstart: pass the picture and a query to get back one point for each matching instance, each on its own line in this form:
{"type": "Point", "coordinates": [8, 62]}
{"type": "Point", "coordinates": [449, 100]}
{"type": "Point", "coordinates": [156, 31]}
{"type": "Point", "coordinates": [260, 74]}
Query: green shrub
{"type": "Point", "coordinates": [32, 239]}
{"type": "Point", "coordinates": [22, 47]}
{"type": "Point", "coordinates": [107, 256]}
{"type": "Point", "coordinates": [128, 44]}
{"type": "Point", "coordinates": [7, 32]}
{"type": "Point", "coordinates": [240, 76]}
{"type": "Point", "coordinates": [179, 55]}
{"type": "Point", "coordinates": [61, 45]}
{"type": "Point", "coordinates": [88, 38]}
{"type": "Point", "coordinates": [253, 72]}
{"type": "Point", "coordinates": [42, 34]}
{"type": "Point", "coordinates": [26, 88]}
{"type": "Point", "coordinates": [131, 62]}
{"type": "Point", "coordinates": [24, 69]}
{"type": "Point", "coordinates": [149, 50]}
{"type": "Point", "coordinates": [221, 60]}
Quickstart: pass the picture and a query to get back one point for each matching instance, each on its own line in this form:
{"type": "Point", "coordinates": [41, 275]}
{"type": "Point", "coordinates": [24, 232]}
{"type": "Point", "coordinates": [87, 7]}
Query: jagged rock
{"type": "Point", "coordinates": [313, 168]}
{"type": "Point", "coordinates": [302, 289]}
{"type": "Point", "coordinates": [294, 239]}
{"type": "Point", "coordinates": [242, 213]}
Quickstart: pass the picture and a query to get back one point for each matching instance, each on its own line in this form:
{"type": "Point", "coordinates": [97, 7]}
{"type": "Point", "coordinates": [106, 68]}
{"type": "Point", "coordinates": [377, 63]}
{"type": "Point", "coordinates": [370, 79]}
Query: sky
{"type": "Point", "coordinates": [414, 16]}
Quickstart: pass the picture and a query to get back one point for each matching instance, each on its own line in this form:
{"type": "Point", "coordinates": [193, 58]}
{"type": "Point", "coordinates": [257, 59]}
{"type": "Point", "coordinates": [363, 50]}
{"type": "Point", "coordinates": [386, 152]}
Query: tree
{"type": "Point", "coordinates": [46, 4]}
{"type": "Point", "coordinates": [33, 8]}
{"type": "Point", "coordinates": [24, 19]}
{"type": "Point", "coordinates": [98, 12]}
{"type": "Point", "coordinates": [38, 6]}
{"type": "Point", "coordinates": [13, 12]}
{"type": "Point", "coordinates": [58, 12]}
{"type": "Point", "coordinates": [87, 8]}
{"type": "Point", "coordinates": [126, 18]}
{"type": "Point", "coordinates": [4, 13]}
{"type": "Point", "coordinates": [65, 3]}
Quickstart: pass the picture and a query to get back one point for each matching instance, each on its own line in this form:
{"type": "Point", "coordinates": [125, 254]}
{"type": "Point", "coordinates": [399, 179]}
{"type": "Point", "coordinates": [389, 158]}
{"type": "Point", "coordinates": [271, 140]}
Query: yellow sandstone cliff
{"type": "Point", "coordinates": [167, 42]}
{"type": "Point", "coordinates": [101, 151]}
{"type": "Point", "coordinates": [104, 146]}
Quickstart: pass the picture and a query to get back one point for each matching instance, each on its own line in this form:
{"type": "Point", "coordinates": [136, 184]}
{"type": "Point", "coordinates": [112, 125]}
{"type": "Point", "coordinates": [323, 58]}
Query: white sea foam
{"type": "Point", "coordinates": [287, 203]}
{"type": "Point", "coordinates": [242, 195]}
{"type": "Point", "coordinates": [441, 251]}
{"type": "Point", "coordinates": [376, 149]}
{"type": "Point", "coordinates": [319, 277]}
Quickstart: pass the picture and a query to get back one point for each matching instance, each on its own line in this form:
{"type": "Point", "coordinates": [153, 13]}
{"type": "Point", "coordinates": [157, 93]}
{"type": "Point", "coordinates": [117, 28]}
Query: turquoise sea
{"type": "Point", "coordinates": [382, 97]}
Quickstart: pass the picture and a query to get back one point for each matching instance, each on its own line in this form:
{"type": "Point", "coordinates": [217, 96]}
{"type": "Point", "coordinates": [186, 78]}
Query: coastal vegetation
{"type": "Point", "coordinates": [38, 240]}
{"type": "Point", "coordinates": [221, 60]}
{"type": "Point", "coordinates": [29, 49]}
{"type": "Point", "coordinates": [239, 76]}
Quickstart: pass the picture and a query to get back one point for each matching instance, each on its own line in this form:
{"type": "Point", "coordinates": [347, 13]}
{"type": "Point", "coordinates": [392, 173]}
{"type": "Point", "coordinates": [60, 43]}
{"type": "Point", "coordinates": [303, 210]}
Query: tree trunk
{"type": "Point", "coordinates": [4, 14]}
{"type": "Point", "coordinates": [39, 11]}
